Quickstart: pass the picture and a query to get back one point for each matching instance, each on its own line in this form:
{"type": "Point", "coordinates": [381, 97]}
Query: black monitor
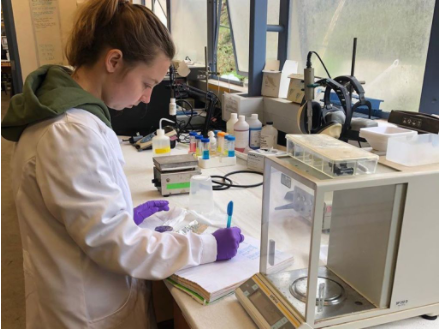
{"type": "Point", "coordinates": [143, 118]}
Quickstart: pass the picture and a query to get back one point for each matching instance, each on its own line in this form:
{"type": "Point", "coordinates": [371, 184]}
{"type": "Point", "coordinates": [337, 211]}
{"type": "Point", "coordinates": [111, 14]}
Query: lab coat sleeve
{"type": "Point", "coordinates": [77, 181]}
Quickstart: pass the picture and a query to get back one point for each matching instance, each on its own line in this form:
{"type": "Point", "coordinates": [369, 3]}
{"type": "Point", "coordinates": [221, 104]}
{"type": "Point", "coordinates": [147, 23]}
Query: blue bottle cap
{"type": "Point", "coordinates": [230, 138]}
{"type": "Point", "coordinates": [193, 133]}
{"type": "Point", "coordinates": [205, 140]}
{"type": "Point", "coordinates": [198, 137]}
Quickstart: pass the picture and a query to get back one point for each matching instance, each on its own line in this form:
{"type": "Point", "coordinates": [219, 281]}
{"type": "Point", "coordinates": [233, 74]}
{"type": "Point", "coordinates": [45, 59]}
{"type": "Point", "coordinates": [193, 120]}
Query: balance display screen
{"type": "Point", "coordinates": [266, 307]}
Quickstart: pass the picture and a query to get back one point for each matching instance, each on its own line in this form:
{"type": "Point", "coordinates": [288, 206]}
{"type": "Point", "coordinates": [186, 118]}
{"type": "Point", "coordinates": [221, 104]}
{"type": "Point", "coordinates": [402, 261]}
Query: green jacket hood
{"type": "Point", "coordinates": [48, 92]}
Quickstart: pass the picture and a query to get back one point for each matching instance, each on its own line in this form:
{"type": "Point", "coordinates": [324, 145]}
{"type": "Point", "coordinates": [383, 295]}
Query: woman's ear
{"type": "Point", "coordinates": [113, 60]}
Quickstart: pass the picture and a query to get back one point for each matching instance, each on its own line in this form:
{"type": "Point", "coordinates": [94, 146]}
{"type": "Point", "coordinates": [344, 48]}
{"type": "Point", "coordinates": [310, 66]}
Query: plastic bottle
{"type": "Point", "coordinates": [241, 133]}
{"type": "Point", "coordinates": [172, 107]}
{"type": "Point", "coordinates": [269, 136]}
{"type": "Point", "coordinates": [255, 132]}
{"type": "Point", "coordinates": [161, 144]}
{"type": "Point", "coordinates": [213, 145]}
{"type": "Point", "coordinates": [231, 123]}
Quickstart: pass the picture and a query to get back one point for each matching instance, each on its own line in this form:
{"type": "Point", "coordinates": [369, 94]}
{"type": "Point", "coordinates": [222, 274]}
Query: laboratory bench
{"type": "Point", "coordinates": [226, 313]}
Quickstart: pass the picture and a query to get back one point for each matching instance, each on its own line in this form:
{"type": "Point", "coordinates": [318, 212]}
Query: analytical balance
{"type": "Point", "coordinates": [375, 261]}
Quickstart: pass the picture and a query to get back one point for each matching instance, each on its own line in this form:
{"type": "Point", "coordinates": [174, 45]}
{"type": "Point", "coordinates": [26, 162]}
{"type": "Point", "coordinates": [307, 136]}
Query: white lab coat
{"type": "Point", "coordinates": [83, 256]}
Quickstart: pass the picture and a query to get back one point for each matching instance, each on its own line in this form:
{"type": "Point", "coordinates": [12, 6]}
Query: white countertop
{"type": "Point", "coordinates": [228, 312]}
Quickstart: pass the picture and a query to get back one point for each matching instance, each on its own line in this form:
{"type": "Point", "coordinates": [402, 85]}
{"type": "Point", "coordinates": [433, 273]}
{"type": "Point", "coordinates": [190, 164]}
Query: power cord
{"type": "Point", "coordinates": [223, 185]}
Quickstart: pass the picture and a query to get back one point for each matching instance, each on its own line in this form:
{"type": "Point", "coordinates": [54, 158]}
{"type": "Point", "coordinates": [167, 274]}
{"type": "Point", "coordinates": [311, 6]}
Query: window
{"type": "Point", "coordinates": [226, 59]}
{"type": "Point", "coordinates": [239, 11]}
{"type": "Point", "coordinates": [393, 38]}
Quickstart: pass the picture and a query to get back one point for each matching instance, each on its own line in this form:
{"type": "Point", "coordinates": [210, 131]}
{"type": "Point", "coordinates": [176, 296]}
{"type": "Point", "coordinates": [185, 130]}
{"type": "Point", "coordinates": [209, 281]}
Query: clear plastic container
{"type": "Point", "coordinates": [378, 137]}
{"type": "Point", "coordinates": [422, 149]}
{"type": "Point", "coordinates": [205, 148]}
{"type": "Point", "coordinates": [161, 143]}
{"type": "Point", "coordinates": [331, 156]}
{"type": "Point", "coordinates": [213, 146]}
{"type": "Point", "coordinates": [230, 145]}
{"type": "Point", "coordinates": [201, 194]}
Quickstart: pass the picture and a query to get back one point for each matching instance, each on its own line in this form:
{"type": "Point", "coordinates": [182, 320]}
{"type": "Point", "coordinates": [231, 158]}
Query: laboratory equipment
{"type": "Point", "coordinates": [192, 142]}
{"type": "Point", "coordinates": [230, 146]}
{"type": "Point", "coordinates": [205, 148]}
{"type": "Point", "coordinates": [255, 127]}
{"type": "Point", "coordinates": [172, 174]}
{"type": "Point", "coordinates": [201, 195]}
{"type": "Point", "coordinates": [213, 143]}
{"type": "Point", "coordinates": [220, 143]}
{"type": "Point", "coordinates": [269, 136]}
{"type": "Point", "coordinates": [415, 150]}
{"type": "Point", "coordinates": [378, 136]}
{"type": "Point", "coordinates": [161, 144]}
{"type": "Point", "coordinates": [331, 156]}
{"type": "Point", "coordinates": [231, 123]}
{"type": "Point", "coordinates": [241, 134]}
{"type": "Point", "coordinates": [417, 121]}
{"type": "Point", "coordinates": [375, 263]}
{"type": "Point", "coordinates": [198, 146]}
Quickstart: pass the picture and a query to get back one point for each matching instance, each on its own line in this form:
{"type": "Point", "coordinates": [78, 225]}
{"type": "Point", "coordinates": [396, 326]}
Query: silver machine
{"type": "Point", "coordinates": [172, 174]}
{"type": "Point", "coordinates": [349, 251]}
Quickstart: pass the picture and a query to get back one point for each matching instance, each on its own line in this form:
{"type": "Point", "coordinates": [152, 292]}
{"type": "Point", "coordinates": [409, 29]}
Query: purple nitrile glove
{"type": "Point", "coordinates": [228, 240]}
{"type": "Point", "coordinates": [147, 209]}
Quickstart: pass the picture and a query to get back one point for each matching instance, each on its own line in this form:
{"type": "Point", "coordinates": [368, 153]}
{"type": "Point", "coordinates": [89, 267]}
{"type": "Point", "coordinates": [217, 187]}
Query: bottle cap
{"type": "Point", "coordinates": [230, 138]}
{"type": "Point", "coordinates": [193, 133]}
{"type": "Point", "coordinates": [242, 118]}
{"type": "Point", "coordinates": [254, 116]}
{"type": "Point", "coordinates": [205, 140]}
{"type": "Point", "coordinates": [198, 137]}
{"type": "Point", "coordinates": [234, 115]}
{"type": "Point", "coordinates": [269, 123]}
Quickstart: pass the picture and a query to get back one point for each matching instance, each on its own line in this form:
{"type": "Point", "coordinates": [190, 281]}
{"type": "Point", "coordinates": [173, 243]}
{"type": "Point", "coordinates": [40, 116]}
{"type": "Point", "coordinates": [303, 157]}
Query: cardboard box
{"type": "Point", "coordinates": [275, 82]}
{"type": "Point", "coordinates": [296, 91]}
{"type": "Point", "coordinates": [242, 105]}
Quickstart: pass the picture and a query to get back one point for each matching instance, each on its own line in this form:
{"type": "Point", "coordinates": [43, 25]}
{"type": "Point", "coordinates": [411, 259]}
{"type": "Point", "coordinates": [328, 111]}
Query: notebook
{"type": "Point", "coordinates": [210, 282]}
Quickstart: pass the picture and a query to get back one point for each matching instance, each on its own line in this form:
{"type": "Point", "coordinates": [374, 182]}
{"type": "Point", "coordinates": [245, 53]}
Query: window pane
{"type": "Point", "coordinates": [240, 18]}
{"type": "Point", "coordinates": [160, 11]}
{"type": "Point", "coordinates": [272, 39]}
{"type": "Point", "coordinates": [225, 53]}
{"type": "Point", "coordinates": [189, 28]}
{"type": "Point", "coordinates": [392, 46]}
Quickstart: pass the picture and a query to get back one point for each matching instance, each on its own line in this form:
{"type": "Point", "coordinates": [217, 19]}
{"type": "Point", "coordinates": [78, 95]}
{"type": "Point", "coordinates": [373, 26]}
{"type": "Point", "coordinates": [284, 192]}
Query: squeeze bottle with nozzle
{"type": "Point", "coordinates": [161, 144]}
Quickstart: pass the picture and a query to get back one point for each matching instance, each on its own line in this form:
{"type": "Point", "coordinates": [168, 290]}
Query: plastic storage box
{"type": "Point", "coordinates": [378, 137]}
{"type": "Point", "coordinates": [415, 150]}
{"type": "Point", "coordinates": [331, 156]}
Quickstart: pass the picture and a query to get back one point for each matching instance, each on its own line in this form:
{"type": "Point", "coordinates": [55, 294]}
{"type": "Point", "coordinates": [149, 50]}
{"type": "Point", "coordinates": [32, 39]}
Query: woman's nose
{"type": "Point", "coordinates": [146, 96]}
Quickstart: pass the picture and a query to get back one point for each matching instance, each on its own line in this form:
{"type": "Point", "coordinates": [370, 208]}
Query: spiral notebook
{"type": "Point", "coordinates": [210, 282]}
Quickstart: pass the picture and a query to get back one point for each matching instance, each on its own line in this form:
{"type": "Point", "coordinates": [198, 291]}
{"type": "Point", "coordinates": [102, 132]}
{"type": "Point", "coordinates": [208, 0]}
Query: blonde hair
{"type": "Point", "coordinates": [133, 29]}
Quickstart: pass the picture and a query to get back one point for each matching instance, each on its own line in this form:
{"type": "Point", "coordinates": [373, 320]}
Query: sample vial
{"type": "Point", "coordinates": [192, 142]}
{"type": "Point", "coordinates": [198, 146]}
{"type": "Point", "coordinates": [220, 143]}
{"type": "Point", "coordinates": [230, 142]}
{"type": "Point", "coordinates": [205, 146]}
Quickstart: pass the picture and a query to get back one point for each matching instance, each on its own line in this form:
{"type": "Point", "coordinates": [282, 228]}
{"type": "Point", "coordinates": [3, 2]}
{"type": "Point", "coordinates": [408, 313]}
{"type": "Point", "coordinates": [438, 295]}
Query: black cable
{"type": "Point", "coordinates": [308, 62]}
{"type": "Point", "coordinates": [223, 185]}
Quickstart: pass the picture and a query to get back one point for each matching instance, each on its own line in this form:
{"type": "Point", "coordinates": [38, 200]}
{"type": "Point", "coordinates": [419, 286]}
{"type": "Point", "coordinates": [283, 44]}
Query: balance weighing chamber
{"type": "Point", "coordinates": [348, 251]}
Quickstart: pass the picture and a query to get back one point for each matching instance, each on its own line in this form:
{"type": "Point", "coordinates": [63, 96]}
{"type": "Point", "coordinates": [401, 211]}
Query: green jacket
{"type": "Point", "coordinates": [48, 92]}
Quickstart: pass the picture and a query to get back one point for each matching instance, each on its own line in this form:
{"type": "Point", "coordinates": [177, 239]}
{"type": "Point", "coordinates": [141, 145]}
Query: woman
{"type": "Point", "coordinates": [84, 257]}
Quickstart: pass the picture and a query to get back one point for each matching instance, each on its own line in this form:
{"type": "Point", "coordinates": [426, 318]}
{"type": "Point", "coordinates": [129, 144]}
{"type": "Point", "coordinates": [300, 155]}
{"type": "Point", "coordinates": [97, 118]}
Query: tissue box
{"type": "Point", "coordinates": [275, 82]}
